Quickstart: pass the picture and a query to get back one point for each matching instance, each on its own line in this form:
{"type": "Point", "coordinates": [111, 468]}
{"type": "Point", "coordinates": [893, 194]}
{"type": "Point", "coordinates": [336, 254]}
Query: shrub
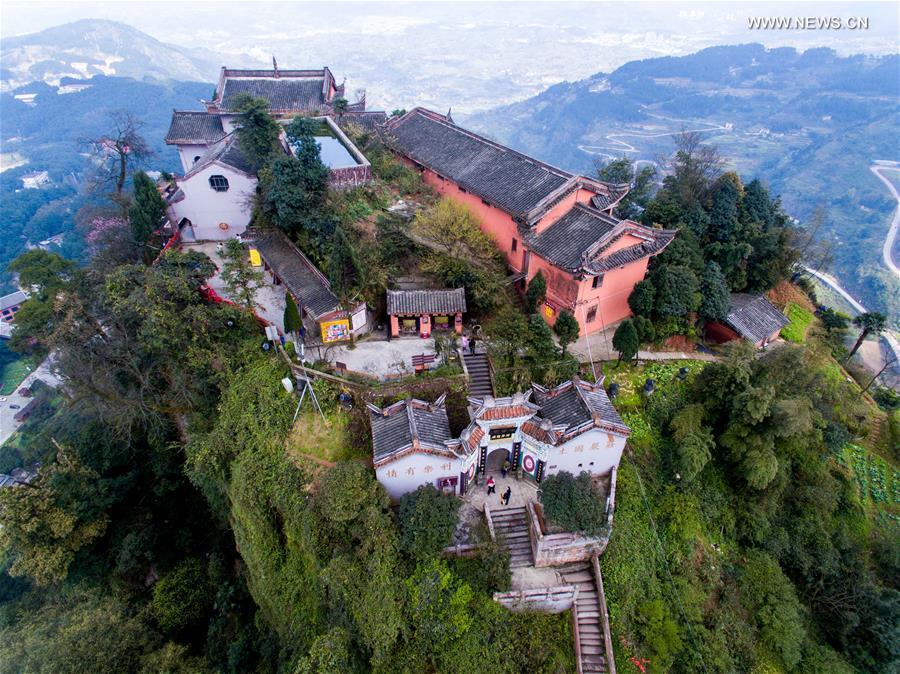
{"type": "Point", "coordinates": [571, 503]}
{"type": "Point", "coordinates": [427, 522]}
{"type": "Point", "coordinates": [182, 597]}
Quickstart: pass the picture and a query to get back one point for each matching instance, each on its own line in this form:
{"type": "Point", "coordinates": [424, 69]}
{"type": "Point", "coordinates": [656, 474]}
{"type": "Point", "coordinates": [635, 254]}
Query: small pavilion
{"type": "Point", "coordinates": [418, 312]}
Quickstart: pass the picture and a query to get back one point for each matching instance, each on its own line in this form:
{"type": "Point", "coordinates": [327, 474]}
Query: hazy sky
{"type": "Point", "coordinates": [509, 50]}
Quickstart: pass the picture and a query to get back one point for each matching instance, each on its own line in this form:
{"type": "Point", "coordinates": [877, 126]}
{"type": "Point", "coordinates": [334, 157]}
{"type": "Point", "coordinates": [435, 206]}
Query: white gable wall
{"type": "Point", "coordinates": [206, 208]}
{"type": "Point", "coordinates": [596, 451]}
{"type": "Point", "coordinates": [187, 153]}
{"type": "Point", "coordinates": [409, 472]}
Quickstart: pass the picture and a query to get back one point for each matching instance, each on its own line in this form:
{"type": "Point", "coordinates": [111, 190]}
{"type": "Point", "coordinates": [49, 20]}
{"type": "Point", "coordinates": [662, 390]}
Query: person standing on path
{"type": "Point", "coordinates": [505, 498]}
{"type": "Point", "coordinates": [465, 343]}
{"type": "Point", "coordinates": [472, 344]}
{"type": "Point", "coordinates": [491, 485]}
{"type": "Point", "coordinates": [505, 469]}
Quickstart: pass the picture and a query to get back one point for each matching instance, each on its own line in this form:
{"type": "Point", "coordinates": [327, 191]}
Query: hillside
{"type": "Point", "coordinates": [810, 122]}
{"type": "Point", "coordinates": [46, 136]}
{"type": "Point", "coordinates": [91, 47]}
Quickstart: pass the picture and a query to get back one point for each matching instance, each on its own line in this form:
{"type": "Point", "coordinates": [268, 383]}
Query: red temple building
{"type": "Point", "coordinates": [542, 218]}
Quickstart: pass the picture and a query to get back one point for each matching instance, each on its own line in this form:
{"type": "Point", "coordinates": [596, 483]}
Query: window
{"type": "Point", "coordinates": [463, 190]}
{"type": "Point", "coordinates": [515, 245]}
{"type": "Point", "coordinates": [485, 202]}
{"type": "Point", "coordinates": [598, 281]}
{"type": "Point", "coordinates": [197, 158]}
{"type": "Point", "coordinates": [219, 183]}
{"type": "Point", "coordinates": [591, 315]}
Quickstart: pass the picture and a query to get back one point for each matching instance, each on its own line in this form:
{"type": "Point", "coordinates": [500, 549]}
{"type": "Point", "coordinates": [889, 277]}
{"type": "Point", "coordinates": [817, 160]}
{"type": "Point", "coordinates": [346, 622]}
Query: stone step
{"type": "Point", "coordinates": [590, 629]}
{"type": "Point", "coordinates": [579, 576]}
{"type": "Point", "coordinates": [589, 613]}
{"type": "Point", "coordinates": [592, 639]}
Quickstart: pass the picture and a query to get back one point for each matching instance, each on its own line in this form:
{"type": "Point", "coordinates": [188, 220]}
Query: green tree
{"type": "Point", "coordinates": [340, 105]}
{"type": "Point", "coordinates": [183, 597]}
{"type": "Point", "coordinates": [507, 332]}
{"type": "Point", "coordinates": [644, 328]}
{"type": "Point", "coordinates": [240, 279]}
{"type": "Point", "coordinates": [292, 320]}
{"type": "Point", "coordinates": [625, 340]}
{"type": "Point", "coordinates": [572, 503]}
{"type": "Point", "coordinates": [44, 524]}
{"type": "Point", "coordinates": [147, 212]}
{"type": "Point", "coordinates": [871, 323]}
{"type": "Point", "coordinates": [715, 300]}
{"type": "Point", "coordinates": [567, 329]}
{"type": "Point", "coordinates": [660, 632]}
{"type": "Point", "coordinates": [677, 291]}
{"type": "Point", "coordinates": [345, 266]}
{"type": "Point", "coordinates": [257, 130]}
{"type": "Point", "coordinates": [330, 654]}
{"type": "Point", "coordinates": [774, 606]}
{"type": "Point", "coordinates": [834, 320]}
{"type": "Point", "coordinates": [541, 347]}
{"type": "Point", "coordinates": [640, 182]}
{"type": "Point", "coordinates": [427, 522]}
{"type": "Point", "coordinates": [536, 293]}
{"type": "Point", "coordinates": [42, 272]}
{"type": "Point", "coordinates": [642, 299]}
{"type": "Point", "coordinates": [75, 627]}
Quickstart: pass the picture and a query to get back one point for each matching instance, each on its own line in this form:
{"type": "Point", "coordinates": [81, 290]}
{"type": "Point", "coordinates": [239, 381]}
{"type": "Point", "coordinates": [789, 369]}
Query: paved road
{"type": "Point", "coordinates": [887, 249]}
{"type": "Point", "coordinates": [8, 424]}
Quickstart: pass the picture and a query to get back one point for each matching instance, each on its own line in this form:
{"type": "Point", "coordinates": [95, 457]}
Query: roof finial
{"type": "Point", "coordinates": [274, 65]}
{"type": "Point", "coordinates": [449, 116]}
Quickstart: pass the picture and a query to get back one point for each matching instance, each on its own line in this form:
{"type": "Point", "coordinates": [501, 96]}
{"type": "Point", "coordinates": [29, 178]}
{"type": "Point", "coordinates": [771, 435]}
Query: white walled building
{"type": "Point", "coordinates": [571, 428]}
{"type": "Point", "coordinates": [214, 197]}
{"type": "Point", "coordinates": [202, 207]}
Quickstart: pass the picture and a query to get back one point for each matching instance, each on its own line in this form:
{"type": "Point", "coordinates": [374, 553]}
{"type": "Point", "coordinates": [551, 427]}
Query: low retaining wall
{"type": "Point", "coordinates": [545, 599]}
{"type": "Point", "coordinates": [560, 549]}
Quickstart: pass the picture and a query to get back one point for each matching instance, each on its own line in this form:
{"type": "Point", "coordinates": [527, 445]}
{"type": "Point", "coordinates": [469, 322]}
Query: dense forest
{"type": "Point", "coordinates": [174, 525]}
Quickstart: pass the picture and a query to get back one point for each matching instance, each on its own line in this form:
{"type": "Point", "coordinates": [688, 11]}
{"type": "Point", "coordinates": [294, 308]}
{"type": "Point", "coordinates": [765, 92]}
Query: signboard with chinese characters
{"type": "Point", "coordinates": [335, 331]}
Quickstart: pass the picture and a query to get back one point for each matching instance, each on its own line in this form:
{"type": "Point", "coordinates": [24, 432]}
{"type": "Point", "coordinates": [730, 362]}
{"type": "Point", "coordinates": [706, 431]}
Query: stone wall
{"type": "Point", "coordinates": [546, 599]}
{"type": "Point", "coordinates": [351, 176]}
{"type": "Point", "coordinates": [568, 548]}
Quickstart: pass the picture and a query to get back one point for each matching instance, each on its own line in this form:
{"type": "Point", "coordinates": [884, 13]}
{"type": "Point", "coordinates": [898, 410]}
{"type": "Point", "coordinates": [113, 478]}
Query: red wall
{"type": "Point", "coordinates": [563, 290]}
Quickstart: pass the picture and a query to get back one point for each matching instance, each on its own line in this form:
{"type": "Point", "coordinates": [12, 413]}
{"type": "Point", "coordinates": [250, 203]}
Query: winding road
{"type": "Point", "coordinates": [887, 249]}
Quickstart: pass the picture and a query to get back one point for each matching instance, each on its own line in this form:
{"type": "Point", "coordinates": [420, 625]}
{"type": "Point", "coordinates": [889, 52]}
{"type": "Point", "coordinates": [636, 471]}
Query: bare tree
{"type": "Point", "coordinates": [116, 154]}
{"type": "Point", "coordinates": [695, 166]}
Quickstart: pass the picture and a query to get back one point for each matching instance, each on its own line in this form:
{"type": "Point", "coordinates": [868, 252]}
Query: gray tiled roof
{"type": "Point", "coordinates": [570, 238]}
{"type": "Point", "coordinates": [426, 301]}
{"type": "Point", "coordinates": [512, 181]}
{"type": "Point", "coordinates": [754, 317]}
{"type": "Point", "coordinates": [226, 151]}
{"type": "Point", "coordinates": [408, 423]}
{"type": "Point", "coordinates": [194, 128]}
{"type": "Point", "coordinates": [302, 279]}
{"type": "Point", "coordinates": [284, 94]}
{"type": "Point", "coordinates": [368, 120]}
{"type": "Point", "coordinates": [574, 403]}
{"type": "Point", "coordinates": [661, 239]}
{"type": "Point", "coordinates": [12, 299]}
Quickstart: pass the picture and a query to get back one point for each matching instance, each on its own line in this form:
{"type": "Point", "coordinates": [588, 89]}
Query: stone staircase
{"type": "Point", "coordinates": [589, 638]}
{"type": "Point", "coordinates": [510, 525]}
{"type": "Point", "coordinates": [479, 371]}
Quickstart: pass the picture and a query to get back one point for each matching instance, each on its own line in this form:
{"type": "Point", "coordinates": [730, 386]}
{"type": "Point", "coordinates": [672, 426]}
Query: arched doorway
{"type": "Point", "coordinates": [495, 459]}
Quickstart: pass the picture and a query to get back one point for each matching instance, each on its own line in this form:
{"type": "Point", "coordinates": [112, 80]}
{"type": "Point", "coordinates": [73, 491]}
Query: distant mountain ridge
{"type": "Point", "coordinates": [90, 47]}
{"type": "Point", "coordinates": [808, 123]}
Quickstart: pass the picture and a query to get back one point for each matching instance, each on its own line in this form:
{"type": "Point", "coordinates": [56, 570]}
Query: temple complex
{"type": "Point", "coordinates": [572, 427]}
{"type": "Point", "coordinates": [542, 218]}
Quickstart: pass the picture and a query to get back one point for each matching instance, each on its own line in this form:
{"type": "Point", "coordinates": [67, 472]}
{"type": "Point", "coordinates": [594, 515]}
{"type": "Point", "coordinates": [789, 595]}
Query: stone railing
{"type": "Point", "coordinates": [604, 616]}
{"type": "Point", "coordinates": [546, 599]}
